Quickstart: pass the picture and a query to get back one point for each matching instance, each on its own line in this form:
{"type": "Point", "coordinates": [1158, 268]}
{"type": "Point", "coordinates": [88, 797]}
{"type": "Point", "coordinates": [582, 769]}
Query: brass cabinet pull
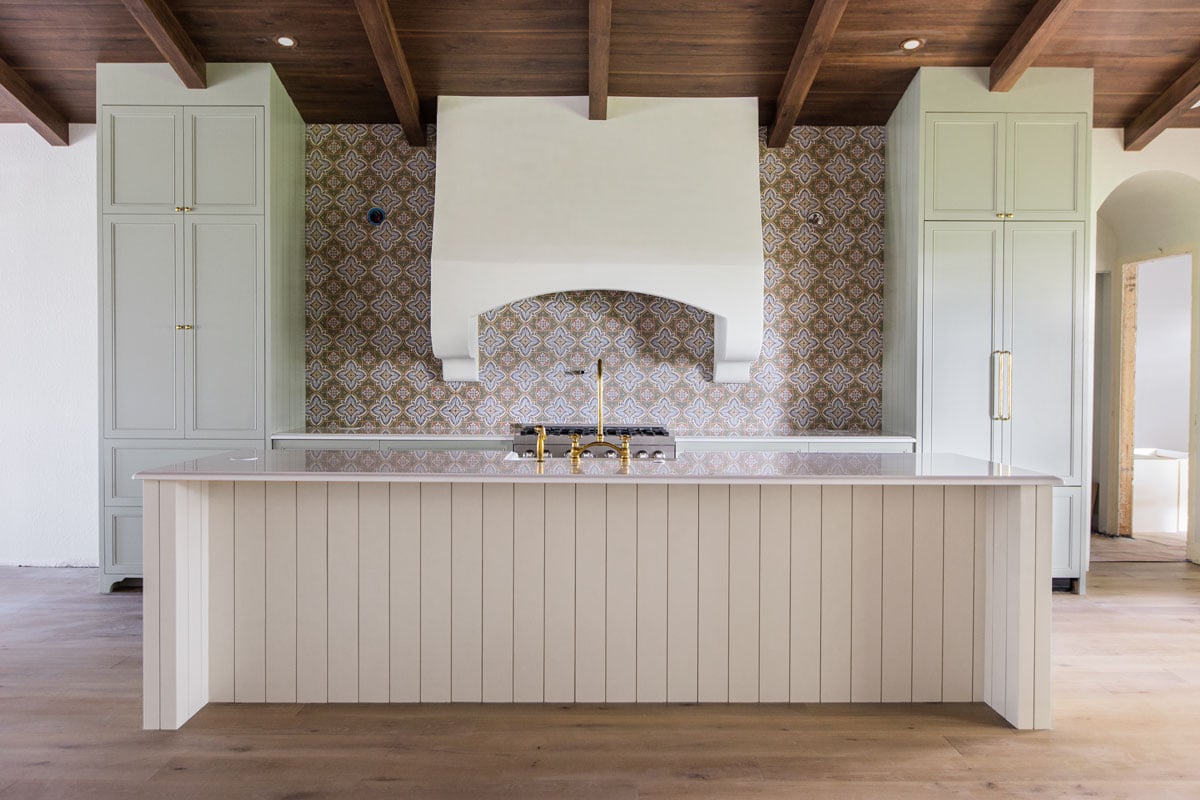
{"type": "Point", "coordinates": [997, 382]}
{"type": "Point", "coordinates": [179, 208]}
{"type": "Point", "coordinates": [178, 327]}
{"type": "Point", "coordinates": [189, 208]}
{"type": "Point", "coordinates": [1006, 216]}
{"type": "Point", "coordinates": [998, 216]}
{"type": "Point", "coordinates": [183, 327]}
{"type": "Point", "coordinates": [1008, 386]}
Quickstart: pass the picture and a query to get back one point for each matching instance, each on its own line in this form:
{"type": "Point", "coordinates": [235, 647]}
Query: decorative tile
{"type": "Point", "coordinates": [370, 362]}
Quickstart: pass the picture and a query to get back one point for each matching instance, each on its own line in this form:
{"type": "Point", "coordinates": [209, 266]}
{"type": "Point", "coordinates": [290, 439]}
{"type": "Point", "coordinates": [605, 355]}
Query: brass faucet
{"type": "Point", "coordinates": [576, 449]}
{"type": "Point", "coordinates": [541, 444]}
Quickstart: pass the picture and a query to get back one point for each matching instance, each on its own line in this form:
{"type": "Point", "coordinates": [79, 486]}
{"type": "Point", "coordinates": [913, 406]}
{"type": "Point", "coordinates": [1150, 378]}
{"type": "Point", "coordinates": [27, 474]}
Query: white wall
{"type": "Point", "coordinates": [1163, 366]}
{"type": "Point", "coordinates": [48, 349]}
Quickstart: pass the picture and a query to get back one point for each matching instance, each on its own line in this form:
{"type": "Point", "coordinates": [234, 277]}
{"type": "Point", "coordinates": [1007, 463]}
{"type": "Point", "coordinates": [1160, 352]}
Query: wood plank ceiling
{"type": "Point", "coordinates": [1138, 48]}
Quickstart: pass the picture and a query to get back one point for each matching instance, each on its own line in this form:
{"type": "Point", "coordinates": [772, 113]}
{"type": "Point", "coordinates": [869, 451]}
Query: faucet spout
{"type": "Point", "coordinates": [599, 399]}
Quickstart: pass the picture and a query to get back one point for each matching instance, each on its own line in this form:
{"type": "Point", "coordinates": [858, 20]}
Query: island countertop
{"type": "Point", "coordinates": [432, 466]}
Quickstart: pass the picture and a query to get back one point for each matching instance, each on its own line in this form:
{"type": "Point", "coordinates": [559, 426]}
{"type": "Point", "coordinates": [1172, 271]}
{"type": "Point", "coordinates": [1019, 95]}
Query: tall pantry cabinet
{"type": "Point", "coordinates": [201, 277]}
{"type": "Point", "coordinates": [986, 297]}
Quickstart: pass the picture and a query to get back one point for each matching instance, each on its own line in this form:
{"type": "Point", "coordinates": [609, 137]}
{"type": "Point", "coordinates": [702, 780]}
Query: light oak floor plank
{"type": "Point", "coordinates": [1126, 700]}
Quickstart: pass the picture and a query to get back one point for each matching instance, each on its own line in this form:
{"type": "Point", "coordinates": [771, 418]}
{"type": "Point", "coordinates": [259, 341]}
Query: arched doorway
{"type": "Point", "coordinates": [1148, 216]}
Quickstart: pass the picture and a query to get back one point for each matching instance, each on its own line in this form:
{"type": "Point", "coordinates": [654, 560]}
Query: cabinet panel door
{"type": "Point", "coordinates": [141, 291]}
{"type": "Point", "coordinates": [142, 158]}
{"type": "Point", "coordinates": [1067, 544]}
{"type": "Point", "coordinates": [225, 300]}
{"type": "Point", "coordinates": [1047, 170]}
{"type": "Point", "coordinates": [122, 544]}
{"type": "Point", "coordinates": [963, 263]}
{"type": "Point", "coordinates": [964, 166]}
{"type": "Point", "coordinates": [1044, 331]}
{"type": "Point", "coordinates": [225, 159]}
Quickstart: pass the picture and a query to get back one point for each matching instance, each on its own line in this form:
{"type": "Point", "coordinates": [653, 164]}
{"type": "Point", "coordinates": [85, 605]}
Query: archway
{"type": "Point", "coordinates": [1152, 214]}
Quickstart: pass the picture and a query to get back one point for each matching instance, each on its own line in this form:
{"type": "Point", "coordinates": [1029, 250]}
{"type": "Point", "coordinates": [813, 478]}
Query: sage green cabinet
{"type": "Point", "coordinates": [182, 307]}
{"type": "Point", "coordinates": [171, 159]}
{"type": "Point", "coordinates": [201, 277]}
{"type": "Point", "coordinates": [1021, 167]}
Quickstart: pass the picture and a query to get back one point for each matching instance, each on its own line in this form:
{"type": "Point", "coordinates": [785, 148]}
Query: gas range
{"type": "Point", "coordinates": [645, 441]}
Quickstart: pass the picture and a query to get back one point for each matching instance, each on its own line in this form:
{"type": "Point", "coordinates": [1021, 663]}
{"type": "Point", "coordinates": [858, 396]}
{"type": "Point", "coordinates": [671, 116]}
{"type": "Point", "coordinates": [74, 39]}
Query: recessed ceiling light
{"type": "Point", "coordinates": [912, 44]}
{"type": "Point", "coordinates": [285, 41]}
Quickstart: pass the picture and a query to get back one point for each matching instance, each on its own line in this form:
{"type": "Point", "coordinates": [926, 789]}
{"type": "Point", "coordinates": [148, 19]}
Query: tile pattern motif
{"type": "Point", "coordinates": [370, 362]}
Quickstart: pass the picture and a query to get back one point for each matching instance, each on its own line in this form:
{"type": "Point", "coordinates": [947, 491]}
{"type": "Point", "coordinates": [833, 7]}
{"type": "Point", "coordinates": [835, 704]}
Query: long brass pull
{"type": "Point", "coordinates": [997, 384]}
{"type": "Point", "coordinates": [1008, 381]}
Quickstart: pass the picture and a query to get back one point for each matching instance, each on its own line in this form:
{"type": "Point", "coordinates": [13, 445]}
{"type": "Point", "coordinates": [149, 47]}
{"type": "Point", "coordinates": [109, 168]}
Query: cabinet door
{"type": "Point", "coordinates": [224, 383]}
{"type": "Point", "coordinates": [1047, 169]}
{"type": "Point", "coordinates": [963, 262]}
{"type": "Point", "coordinates": [964, 166]}
{"type": "Point", "coordinates": [122, 542]}
{"type": "Point", "coordinates": [141, 300]}
{"type": "Point", "coordinates": [1067, 543]}
{"type": "Point", "coordinates": [225, 159]}
{"type": "Point", "coordinates": [1044, 331]}
{"type": "Point", "coordinates": [141, 159]}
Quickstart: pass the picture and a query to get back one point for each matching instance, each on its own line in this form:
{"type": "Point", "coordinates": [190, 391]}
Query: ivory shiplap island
{"type": "Point", "coordinates": [370, 576]}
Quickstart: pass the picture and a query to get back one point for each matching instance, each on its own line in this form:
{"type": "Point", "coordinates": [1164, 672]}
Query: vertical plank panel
{"type": "Point", "coordinates": [928, 511]}
{"type": "Point", "coordinates": [404, 617]}
{"type": "Point", "coordinates": [529, 587]}
{"type": "Point", "coordinates": [498, 593]}
{"type": "Point", "coordinates": [896, 675]}
{"type": "Point", "coordinates": [651, 593]}
{"type": "Point", "coordinates": [995, 682]}
{"type": "Point", "coordinates": [151, 607]}
{"type": "Point", "coordinates": [249, 594]}
{"type": "Point", "coordinates": [982, 521]}
{"type": "Point", "coordinates": [466, 582]}
{"type": "Point", "coordinates": [343, 592]}
{"type": "Point", "coordinates": [374, 589]}
{"type": "Point", "coordinates": [281, 592]}
{"type": "Point", "coordinates": [560, 593]}
{"type": "Point", "coordinates": [744, 547]}
{"type": "Point", "coordinates": [312, 595]}
{"type": "Point", "coordinates": [197, 563]}
{"type": "Point", "coordinates": [220, 592]}
{"type": "Point", "coordinates": [621, 595]}
{"type": "Point", "coordinates": [1019, 669]}
{"type": "Point", "coordinates": [775, 600]}
{"type": "Point", "coordinates": [836, 522]}
{"type": "Point", "coordinates": [958, 599]}
{"type": "Point", "coordinates": [683, 525]}
{"type": "Point", "coordinates": [713, 644]}
{"type": "Point", "coordinates": [590, 543]}
{"type": "Point", "coordinates": [866, 602]}
{"type": "Point", "coordinates": [1044, 536]}
{"type": "Point", "coordinates": [806, 595]}
{"type": "Point", "coordinates": [436, 556]}
{"type": "Point", "coordinates": [172, 581]}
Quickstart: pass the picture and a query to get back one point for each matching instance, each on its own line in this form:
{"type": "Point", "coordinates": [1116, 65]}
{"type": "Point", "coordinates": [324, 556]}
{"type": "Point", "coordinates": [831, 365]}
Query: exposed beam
{"type": "Point", "coordinates": [171, 39]}
{"type": "Point", "coordinates": [385, 43]}
{"type": "Point", "coordinates": [32, 107]}
{"type": "Point", "coordinates": [822, 21]}
{"type": "Point", "coordinates": [1169, 106]}
{"type": "Point", "coordinates": [1027, 43]}
{"type": "Point", "coordinates": [599, 36]}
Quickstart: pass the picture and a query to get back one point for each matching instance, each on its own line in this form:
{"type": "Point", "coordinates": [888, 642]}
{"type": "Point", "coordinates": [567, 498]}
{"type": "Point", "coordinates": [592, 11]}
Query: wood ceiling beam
{"type": "Point", "coordinates": [599, 38]}
{"type": "Point", "coordinates": [385, 43]}
{"type": "Point", "coordinates": [32, 107]}
{"type": "Point", "coordinates": [1169, 106]}
{"type": "Point", "coordinates": [164, 30]}
{"type": "Point", "coordinates": [823, 19]}
{"type": "Point", "coordinates": [1028, 41]}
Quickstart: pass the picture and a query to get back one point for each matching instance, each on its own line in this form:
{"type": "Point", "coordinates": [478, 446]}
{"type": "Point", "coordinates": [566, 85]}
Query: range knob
{"type": "Point", "coordinates": [528, 454]}
{"type": "Point", "coordinates": [642, 454]}
{"type": "Point", "coordinates": [610, 453]}
{"type": "Point", "coordinates": [586, 454]}
{"type": "Point", "coordinates": [659, 454]}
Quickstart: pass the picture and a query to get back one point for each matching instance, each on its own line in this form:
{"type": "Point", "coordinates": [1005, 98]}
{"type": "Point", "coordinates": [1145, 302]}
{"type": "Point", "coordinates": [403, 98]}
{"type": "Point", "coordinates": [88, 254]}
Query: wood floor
{"type": "Point", "coordinates": [1127, 716]}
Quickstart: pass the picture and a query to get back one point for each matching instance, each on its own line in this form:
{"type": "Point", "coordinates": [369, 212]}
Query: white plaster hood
{"type": "Point", "coordinates": [661, 198]}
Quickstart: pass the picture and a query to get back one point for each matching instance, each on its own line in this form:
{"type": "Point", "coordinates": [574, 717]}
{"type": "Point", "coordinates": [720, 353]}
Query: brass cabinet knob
{"type": "Point", "coordinates": [178, 327]}
{"type": "Point", "coordinates": [189, 208]}
{"type": "Point", "coordinates": [183, 327]}
{"type": "Point", "coordinates": [179, 208]}
{"type": "Point", "coordinates": [1006, 216]}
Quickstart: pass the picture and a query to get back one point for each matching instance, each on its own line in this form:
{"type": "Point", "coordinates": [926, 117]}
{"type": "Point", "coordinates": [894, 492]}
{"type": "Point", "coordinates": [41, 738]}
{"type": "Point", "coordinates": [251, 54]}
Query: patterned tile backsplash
{"type": "Point", "coordinates": [371, 364]}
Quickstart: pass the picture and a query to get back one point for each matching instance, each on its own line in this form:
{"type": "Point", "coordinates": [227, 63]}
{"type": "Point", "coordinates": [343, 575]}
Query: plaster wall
{"type": "Point", "coordinates": [48, 349]}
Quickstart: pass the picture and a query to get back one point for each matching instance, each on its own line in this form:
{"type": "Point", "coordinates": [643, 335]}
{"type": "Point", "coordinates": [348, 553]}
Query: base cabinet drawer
{"type": "Point", "coordinates": [122, 543]}
{"type": "Point", "coordinates": [123, 458]}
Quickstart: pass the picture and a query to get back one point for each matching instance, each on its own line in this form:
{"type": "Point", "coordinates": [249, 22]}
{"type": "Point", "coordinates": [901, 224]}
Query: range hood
{"type": "Point", "coordinates": [662, 198]}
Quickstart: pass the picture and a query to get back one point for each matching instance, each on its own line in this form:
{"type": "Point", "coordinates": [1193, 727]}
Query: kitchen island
{"type": "Point", "coordinates": [445, 576]}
